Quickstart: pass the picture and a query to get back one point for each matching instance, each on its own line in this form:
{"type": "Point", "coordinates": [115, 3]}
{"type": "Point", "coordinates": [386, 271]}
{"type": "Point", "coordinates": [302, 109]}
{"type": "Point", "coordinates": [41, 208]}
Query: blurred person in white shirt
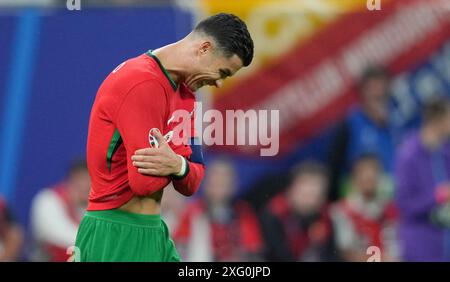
{"type": "Point", "coordinates": [365, 218]}
{"type": "Point", "coordinates": [56, 213]}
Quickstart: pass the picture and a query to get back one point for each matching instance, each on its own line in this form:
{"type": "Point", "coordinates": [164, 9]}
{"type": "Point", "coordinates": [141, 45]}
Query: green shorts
{"type": "Point", "coordinates": [115, 235]}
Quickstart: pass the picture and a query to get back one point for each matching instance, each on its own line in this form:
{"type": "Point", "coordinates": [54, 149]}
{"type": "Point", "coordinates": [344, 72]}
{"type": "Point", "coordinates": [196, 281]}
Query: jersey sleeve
{"type": "Point", "coordinates": [134, 119]}
{"type": "Point", "coordinates": [190, 183]}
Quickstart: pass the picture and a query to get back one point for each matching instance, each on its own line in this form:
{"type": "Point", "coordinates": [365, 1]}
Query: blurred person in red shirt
{"type": "Point", "coordinates": [296, 224]}
{"type": "Point", "coordinates": [56, 213]}
{"type": "Point", "coordinates": [216, 228]}
{"type": "Point", "coordinates": [11, 235]}
{"type": "Point", "coordinates": [364, 217]}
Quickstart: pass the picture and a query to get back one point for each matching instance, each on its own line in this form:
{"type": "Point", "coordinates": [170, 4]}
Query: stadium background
{"type": "Point", "coordinates": [52, 61]}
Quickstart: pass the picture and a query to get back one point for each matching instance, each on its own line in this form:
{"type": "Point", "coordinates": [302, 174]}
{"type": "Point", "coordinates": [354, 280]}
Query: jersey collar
{"type": "Point", "coordinates": [172, 83]}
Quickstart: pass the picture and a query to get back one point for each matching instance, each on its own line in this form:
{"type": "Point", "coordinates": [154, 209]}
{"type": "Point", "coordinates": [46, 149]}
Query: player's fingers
{"type": "Point", "coordinates": [146, 151]}
{"type": "Point", "coordinates": [148, 171]}
{"type": "Point", "coordinates": [159, 137]}
{"type": "Point", "coordinates": [142, 158]}
{"type": "Point", "coordinates": [148, 159]}
{"type": "Point", "coordinates": [145, 165]}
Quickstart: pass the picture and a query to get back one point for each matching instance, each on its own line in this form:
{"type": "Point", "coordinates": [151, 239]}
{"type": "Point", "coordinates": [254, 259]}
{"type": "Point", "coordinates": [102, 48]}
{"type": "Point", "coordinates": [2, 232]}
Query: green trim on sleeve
{"type": "Point", "coordinates": [172, 83]}
{"type": "Point", "coordinates": [114, 144]}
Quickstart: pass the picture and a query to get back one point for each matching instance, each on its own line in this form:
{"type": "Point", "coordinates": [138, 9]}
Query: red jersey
{"type": "Point", "coordinates": [235, 239]}
{"type": "Point", "coordinates": [137, 96]}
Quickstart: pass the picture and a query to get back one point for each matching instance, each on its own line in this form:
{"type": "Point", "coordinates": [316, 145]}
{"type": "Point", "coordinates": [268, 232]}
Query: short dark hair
{"type": "Point", "coordinates": [231, 33]}
{"type": "Point", "coordinates": [373, 72]}
{"type": "Point", "coordinates": [309, 167]}
{"type": "Point", "coordinates": [435, 109]}
{"type": "Point", "coordinates": [366, 157]}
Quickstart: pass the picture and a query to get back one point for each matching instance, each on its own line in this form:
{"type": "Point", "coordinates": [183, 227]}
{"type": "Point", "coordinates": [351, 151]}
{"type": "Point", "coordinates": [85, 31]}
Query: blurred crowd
{"type": "Point", "coordinates": [374, 189]}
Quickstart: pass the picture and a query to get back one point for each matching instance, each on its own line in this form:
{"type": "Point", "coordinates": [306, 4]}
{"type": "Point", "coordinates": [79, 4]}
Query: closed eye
{"type": "Point", "coordinates": [224, 73]}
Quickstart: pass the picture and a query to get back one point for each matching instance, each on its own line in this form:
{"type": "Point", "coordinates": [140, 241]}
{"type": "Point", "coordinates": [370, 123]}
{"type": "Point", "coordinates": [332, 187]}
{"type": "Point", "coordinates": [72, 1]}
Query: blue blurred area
{"type": "Point", "coordinates": [73, 55]}
{"type": "Point", "coordinates": [7, 28]}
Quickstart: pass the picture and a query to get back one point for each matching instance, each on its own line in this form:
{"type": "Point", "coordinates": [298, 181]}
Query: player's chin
{"type": "Point", "coordinates": [195, 86]}
{"type": "Point", "coordinates": [191, 87]}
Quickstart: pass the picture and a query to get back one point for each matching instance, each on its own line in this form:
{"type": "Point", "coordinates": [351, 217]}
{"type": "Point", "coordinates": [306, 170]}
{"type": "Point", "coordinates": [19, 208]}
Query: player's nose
{"type": "Point", "coordinates": [218, 83]}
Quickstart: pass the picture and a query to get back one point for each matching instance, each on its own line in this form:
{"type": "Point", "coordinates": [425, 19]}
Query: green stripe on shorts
{"type": "Point", "coordinates": [116, 235]}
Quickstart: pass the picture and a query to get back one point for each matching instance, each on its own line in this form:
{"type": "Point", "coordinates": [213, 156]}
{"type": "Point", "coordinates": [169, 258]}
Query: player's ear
{"type": "Point", "coordinates": [205, 47]}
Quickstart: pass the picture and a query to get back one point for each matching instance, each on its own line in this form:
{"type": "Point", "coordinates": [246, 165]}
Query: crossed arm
{"type": "Point", "coordinates": [151, 169]}
{"type": "Point", "coordinates": [163, 161]}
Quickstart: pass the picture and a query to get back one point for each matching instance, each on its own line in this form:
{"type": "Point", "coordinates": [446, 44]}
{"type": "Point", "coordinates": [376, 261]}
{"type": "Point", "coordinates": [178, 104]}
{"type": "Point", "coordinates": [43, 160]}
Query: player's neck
{"type": "Point", "coordinates": [170, 59]}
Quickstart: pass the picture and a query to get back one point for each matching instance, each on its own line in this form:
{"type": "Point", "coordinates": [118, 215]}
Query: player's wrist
{"type": "Point", "coordinates": [183, 168]}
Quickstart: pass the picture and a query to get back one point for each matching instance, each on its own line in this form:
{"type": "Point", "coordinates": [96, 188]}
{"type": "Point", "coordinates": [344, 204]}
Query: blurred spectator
{"type": "Point", "coordinates": [296, 223]}
{"type": "Point", "coordinates": [11, 235]}
{"type": "Point", "coordinates": [366, 129]}
{"type": "Point", "coordinates": [363, 218]}
{"type": "Point", "coordinates": [215, 228]}
{"type": "Point", "coordinates": [172, 206]}
{"type": "Point", "coordinates": [423, 187]}
{"type": "Point", "coordinates": [56, 213]}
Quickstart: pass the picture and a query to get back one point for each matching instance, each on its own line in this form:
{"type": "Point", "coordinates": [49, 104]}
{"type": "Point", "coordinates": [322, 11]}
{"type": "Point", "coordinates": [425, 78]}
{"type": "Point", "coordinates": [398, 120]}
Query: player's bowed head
{"type": "Point", "coordinates": [217, 48]}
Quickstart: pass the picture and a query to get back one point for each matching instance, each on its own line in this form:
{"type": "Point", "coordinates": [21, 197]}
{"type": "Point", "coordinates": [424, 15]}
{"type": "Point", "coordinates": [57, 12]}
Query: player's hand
{"type": "Point", "coordinates": [161, 161]}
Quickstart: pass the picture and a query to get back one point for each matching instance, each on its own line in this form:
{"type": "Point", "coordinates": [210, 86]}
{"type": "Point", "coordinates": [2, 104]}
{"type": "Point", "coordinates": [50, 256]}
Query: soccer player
{"type": "Point", "coordinates": [130, 154]}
